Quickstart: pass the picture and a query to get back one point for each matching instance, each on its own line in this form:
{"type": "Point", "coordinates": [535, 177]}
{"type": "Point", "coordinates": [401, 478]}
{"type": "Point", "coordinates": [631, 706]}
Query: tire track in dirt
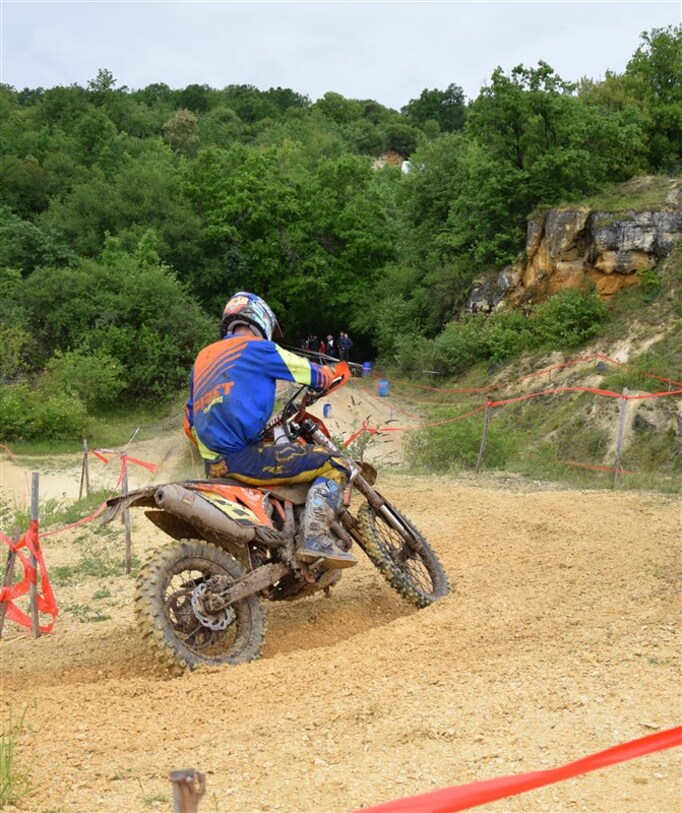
{"type": "Point", "coordinates": [561, 637]}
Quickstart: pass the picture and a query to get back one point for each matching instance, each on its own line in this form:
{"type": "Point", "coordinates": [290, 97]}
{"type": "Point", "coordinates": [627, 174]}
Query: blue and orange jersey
{"type": "Point", "coordinates": [232, 391]}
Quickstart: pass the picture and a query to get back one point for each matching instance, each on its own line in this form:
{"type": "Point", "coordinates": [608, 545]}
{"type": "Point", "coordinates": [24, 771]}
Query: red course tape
{"type": "Point", "coordinates": [46, 602]}
{"type": "Point", "coordinates": [462, 797]}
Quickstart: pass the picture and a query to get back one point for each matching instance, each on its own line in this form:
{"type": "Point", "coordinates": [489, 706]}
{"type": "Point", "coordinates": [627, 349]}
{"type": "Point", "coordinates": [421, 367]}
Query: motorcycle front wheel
{"type": "Point", "coordinates": [164, 610]}
{"type": "Point", "coordinates": [401, 554]}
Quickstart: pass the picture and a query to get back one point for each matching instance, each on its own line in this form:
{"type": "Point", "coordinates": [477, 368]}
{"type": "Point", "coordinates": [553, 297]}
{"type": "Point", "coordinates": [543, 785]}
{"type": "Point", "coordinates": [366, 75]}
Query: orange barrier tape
{"type": "Point", "coordinates": [373, 430]}
{"type": "Point", "coordinates": [596, 468]}
{"type": "Point", "coordinates": [45, 599]}
{"type": "Point", "coordinates": [125, 459]}
{"type": "Point", "coordinates": [594, 390]}
{"type": "Point", "coordinates": [10, 455]}
{"type": "Point", "coordinates": [462, 797]}
{"type": "Point", "coordinates": [82, 521]}
{"type": "Point", "coordinates": [124, 462]}
{"type": "Point", "coordinates": [544, 371]}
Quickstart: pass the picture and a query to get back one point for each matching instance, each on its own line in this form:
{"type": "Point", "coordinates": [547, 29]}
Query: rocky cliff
{"type": "Point", "coordinates": [577, 246]}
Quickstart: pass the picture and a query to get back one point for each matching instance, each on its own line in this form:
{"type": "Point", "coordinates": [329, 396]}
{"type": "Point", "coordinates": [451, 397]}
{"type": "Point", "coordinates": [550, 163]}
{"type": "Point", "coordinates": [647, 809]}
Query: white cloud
{"type": "Point", "coordinates": [388, 51]}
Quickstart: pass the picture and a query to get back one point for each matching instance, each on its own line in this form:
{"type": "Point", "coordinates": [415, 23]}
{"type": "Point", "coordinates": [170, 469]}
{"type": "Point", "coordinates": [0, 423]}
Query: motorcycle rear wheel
{"type": "Point", "coordinates": [404, 558]}
{"type": "Point", "coordinates": [163, 608]}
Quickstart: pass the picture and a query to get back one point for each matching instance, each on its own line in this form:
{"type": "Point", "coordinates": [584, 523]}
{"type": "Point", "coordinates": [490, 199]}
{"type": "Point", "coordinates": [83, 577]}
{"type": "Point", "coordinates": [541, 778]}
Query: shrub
{"type": "Point", "coordinates": [411, 353]}
{"type": "Point", "coordinates": [17, 346]}
{"type": "Point", "coordinates": [568, 319]}
{"type": "Point", "coordinates": [456, 445]}
{"type": "Point", "coordinates": [96, 378]}
{"type": "Point", "coordinates": [459, 346]}
{"type": "Point", "coordinates": [508, 334]}
{"type": "Point", "coordinates": [650, 283]}
{"type": "Point", "coordinates": [33, 413]}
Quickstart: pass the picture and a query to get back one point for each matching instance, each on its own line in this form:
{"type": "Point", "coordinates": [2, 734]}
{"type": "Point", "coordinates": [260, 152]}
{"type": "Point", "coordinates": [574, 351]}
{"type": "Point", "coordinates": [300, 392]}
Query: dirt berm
{"type": "Point", "coordinates": [561, 637]}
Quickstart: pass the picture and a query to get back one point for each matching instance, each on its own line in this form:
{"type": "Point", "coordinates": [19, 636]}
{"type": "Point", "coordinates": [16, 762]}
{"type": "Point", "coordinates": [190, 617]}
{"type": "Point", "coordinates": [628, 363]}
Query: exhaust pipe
{"type": "Point", "coordinates": [192, 507]}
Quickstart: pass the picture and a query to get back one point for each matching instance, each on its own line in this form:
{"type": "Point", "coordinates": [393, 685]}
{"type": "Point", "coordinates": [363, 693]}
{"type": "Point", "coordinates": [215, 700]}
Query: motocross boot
{"type": "Point", "coordinates": [322, 506]}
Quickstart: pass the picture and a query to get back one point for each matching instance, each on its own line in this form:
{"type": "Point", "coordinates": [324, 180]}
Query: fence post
{"type": "Point", "coordinates": [126, 515]}
{"type": "Point", "coordinates": [619, 438]}
{"type": "Point", "coordinates": [9, 573]}
{"type": "Point", "coordinates": [189, 785]}
{"type": "Point", "coordinates": [85, 472]}
{"type": "Point", "coordinates": [35, 624]}
{"type": "Point", "coordinates": [484, 437]}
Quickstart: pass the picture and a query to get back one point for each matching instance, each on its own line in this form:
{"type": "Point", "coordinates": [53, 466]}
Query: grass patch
{"type": "Point", "coordinates": [637, 195]}
{"type": "Point", "coordinates": [455, 446]}
{"type": "Point", "coordinates": [14, 785]}
{"type": "Point", "coordinates": [54, 512]}
{"type": "Point", "coordinates": [554, 438]}
{"type": "Point", "coordinates": [102, 560]}
{"type": "Point", "coordinates": [155, 801]}
{"type": "Point", "coordinates": [85, 613]}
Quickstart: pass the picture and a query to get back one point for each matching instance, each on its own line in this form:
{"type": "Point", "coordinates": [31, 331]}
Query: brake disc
{"type": "Point", "coordinates": [214, 621]}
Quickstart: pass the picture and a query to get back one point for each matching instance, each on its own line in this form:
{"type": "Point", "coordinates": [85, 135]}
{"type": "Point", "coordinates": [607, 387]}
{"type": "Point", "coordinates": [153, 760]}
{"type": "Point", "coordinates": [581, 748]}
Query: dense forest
{"type": "Point", "coordinates": [128, 217]}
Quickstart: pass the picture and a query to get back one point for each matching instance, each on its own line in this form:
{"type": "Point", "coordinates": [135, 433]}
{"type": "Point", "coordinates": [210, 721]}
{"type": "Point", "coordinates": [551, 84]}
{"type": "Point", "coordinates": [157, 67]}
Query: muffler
{"type": "Point", "coordinates": [193, 508]}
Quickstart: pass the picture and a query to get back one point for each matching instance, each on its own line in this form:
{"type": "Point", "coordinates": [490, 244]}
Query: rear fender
{"type": "Point", "coordinates": [243, 505]}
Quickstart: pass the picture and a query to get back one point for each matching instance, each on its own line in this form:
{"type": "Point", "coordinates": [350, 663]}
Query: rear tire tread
{"type": "Point", "coordinates": [151, 617]}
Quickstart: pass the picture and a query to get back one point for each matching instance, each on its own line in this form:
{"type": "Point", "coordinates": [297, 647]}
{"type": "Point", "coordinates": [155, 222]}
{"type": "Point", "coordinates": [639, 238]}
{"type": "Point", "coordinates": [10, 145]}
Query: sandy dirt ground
{"type": "Point", "coordinates": [561, 637]}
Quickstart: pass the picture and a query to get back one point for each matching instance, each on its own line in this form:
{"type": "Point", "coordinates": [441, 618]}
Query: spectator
{"type": "Point", "coordinates": [345, 344]}
{"type": "Point", "coordinates": [331, 345]}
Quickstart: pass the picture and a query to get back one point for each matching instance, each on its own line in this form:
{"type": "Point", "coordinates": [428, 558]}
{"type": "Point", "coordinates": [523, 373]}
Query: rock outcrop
{"type": "Point", "coordinates": [572, 247]}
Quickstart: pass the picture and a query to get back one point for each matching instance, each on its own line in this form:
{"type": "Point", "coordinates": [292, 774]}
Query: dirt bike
{"type": "Point", "coordinates": [198, 599]}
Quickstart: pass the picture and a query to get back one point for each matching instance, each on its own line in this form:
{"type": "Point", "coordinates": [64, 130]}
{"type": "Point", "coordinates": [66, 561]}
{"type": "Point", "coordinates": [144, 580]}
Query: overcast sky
{"type": "Point", "coordinates": [387, 51]}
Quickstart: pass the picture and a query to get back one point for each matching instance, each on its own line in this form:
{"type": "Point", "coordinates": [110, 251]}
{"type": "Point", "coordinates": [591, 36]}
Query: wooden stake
{"type": "Point", "coordinates": [619, 438]}
{"type": "Point", "coordinates": [189, 785]}
{"type": "Point", "coordinates": [85, 472]}
{"type": "Point", "coordinates": [126, 521]}
{"type": "Point", "coordinates": [484, 437]}
{"type": "Point", "coordinates": [9, 573]}
{"type": "Point", "coordinates": [35, 622]}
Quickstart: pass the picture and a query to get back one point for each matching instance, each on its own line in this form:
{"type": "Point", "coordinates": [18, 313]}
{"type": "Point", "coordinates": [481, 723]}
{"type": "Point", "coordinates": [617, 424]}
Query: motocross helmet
{"type": "Point", "coordinates": [248, 309]}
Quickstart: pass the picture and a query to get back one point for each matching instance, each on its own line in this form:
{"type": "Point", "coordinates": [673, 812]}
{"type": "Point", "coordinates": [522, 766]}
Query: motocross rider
{"type": "Point", "coordinates": [231, 398]}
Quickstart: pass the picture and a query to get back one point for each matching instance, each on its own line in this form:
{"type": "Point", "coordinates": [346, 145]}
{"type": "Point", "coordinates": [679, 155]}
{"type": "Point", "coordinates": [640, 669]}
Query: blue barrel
{"type": "Point", "coordinates": [366, 368]}
{"type": "Point", "coordinates": [326, 410]}
{"type": "Point", "coordinates": [383, 387]}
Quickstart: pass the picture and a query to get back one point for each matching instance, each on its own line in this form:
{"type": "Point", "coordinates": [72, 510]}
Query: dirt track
{"type": "Point", "coordinates": [561, 638]}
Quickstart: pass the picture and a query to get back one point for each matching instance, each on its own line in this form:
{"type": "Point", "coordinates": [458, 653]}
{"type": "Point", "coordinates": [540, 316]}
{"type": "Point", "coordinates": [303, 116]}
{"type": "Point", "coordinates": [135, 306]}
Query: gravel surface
{"type": "Point", "coordinates": [561, 637]}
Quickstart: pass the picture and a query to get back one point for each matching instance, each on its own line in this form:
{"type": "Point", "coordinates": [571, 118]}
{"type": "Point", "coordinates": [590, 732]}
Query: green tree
{"type": "Point", "coordinates": [139, 315]}
{"type": "Point", "coordinates": [25, 246]}
{"type": "Point", "coordinates": [181, 131]}
{"type": "Point", "coordinates": [657, 64]}
{"type": "Point", "coordinates": [446, 107]}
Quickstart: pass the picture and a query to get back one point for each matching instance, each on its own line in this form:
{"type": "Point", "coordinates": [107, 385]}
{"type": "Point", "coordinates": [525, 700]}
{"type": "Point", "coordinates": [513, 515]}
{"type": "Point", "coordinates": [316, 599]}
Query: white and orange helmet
{"type": "Point", "coordinates": [248, 309]}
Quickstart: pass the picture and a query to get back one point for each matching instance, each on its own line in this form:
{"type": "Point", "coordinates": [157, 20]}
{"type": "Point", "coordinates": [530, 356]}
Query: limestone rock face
{"type": "Point", "coordinates": [569, 247]}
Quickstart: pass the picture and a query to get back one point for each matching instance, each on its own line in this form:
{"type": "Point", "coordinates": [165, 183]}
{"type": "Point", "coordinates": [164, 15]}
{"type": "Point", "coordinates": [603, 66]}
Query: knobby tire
{"type": "Point", "coordinates": [154, 610]}
{"type": "Point", "coordinates": [405, 560]}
